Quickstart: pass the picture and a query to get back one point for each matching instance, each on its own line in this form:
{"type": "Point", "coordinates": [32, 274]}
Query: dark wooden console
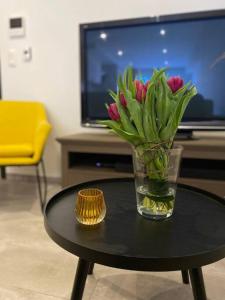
{"type": "Point", "coordinates": [102, 155]}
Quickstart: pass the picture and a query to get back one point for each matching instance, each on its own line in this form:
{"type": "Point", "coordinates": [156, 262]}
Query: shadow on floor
{"type": "Point", "coordinates": [140, 287]}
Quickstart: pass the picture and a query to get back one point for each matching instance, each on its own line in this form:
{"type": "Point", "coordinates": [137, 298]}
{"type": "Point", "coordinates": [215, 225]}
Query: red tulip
{"type": "Point", "coordinates": [113, 112]}
{"type": "Point", "coordinates": [140, 90]}
{"type": "Point", "coordinates": [123, 100]}
{"type": "Point", "coordinates": [175, 83]}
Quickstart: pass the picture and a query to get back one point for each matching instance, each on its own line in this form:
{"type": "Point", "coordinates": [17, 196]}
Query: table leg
{"type": "Point", "coordinates": [80, 279]}
{"type": "Point", "coordinates": [197, 283]}
{"type": "Point", "coordinates": [185, 276]}
{"type": "Point", "coordinates": [91, 268]}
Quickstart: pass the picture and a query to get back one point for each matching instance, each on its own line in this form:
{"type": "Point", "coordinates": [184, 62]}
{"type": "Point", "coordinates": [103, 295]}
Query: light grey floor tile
{"type": "Point", "coordinates": [21, 294]}
{"type": "Point", "coordinates": [138, 286]}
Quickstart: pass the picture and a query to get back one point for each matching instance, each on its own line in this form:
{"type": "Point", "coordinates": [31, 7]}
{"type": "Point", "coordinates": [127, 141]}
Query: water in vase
{"type": "Point", "coordinates": [155, 206]}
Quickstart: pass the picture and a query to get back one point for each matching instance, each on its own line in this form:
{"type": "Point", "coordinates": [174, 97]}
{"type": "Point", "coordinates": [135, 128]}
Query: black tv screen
{"type": "Point", "coordinates": [190, 45]}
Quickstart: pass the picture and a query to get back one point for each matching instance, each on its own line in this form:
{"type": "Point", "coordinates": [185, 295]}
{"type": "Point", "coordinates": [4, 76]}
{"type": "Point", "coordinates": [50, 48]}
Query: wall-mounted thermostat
{"type": "Point", "coordinates": [16, 27]}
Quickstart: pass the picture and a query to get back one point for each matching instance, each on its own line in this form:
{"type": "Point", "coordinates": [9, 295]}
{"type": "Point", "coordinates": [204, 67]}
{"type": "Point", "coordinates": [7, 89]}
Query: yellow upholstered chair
{"type": "Point", "coordinates": [23, 133]}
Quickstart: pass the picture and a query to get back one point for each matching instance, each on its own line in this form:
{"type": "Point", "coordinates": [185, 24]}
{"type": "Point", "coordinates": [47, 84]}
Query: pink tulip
{"type": "Point", "coordinates": [175, 83]}
{"type": "Point", "coordinates": [113, 112]}
{"type": "Point", "coordinates": [140, 90]}
{"type": "Point", "coordinates": [123, 100]}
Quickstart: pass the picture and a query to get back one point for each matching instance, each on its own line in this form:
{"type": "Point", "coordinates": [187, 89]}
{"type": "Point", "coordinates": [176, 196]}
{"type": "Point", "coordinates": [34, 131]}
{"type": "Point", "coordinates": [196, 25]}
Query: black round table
{"type": "Point", "coordinates": [193, 237]}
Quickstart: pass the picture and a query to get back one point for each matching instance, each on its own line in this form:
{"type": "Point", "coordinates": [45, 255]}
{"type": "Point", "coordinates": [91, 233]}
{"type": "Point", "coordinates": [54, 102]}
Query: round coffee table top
{"type": "Point", "coordinates": [194, 236]}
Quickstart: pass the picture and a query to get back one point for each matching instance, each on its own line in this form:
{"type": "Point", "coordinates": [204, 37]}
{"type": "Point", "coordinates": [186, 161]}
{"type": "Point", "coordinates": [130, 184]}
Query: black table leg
{"type": "Point", "coordinates": [80, 279]}
{"type": "Point", "coordinates": [91, 268]}
{"type": "Point", "coordinates": [185, 276]}
{"type": "Point", "coordinates": [197, 283]}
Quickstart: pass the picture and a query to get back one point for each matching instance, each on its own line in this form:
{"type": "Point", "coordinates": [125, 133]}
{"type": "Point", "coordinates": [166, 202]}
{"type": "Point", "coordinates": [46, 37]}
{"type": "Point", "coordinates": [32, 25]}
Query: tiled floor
{"type": "Point", "coordinates": [32, 267]}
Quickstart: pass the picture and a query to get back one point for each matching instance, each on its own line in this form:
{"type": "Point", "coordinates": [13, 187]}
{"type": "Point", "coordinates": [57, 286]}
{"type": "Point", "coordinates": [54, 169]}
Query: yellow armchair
{"type": "Point", "coordinates": [23, 133]}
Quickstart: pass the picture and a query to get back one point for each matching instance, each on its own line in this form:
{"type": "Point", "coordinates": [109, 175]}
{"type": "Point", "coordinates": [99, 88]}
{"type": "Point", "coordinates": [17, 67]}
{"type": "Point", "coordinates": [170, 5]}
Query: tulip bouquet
{"type": "Point", "coordinates": [147, 115]}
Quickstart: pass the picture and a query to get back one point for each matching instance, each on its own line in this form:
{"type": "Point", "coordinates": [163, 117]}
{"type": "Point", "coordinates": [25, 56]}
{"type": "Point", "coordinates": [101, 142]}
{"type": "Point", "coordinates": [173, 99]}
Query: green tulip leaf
{"type": "Point", "coordinates": [121, 86]}
{"type": "Point", "coordinates": [131, 85]}
{"type": "Point", "coordinates": [150, 118]}
{"type": "Point", "coordinates": [170, 130]}
{"type": "Point", "coordinates": [136, 112]}
{"type": "Point", "coordinates": [150, 132]}
{"type": "Point", "coordinates": [114, 95]}
{"type": "Point", "coordinates": [115, 127]}
{"type": "Point", "coordinates": [110, 123]}
{"type": "Point", "coordinates": [125, 119]}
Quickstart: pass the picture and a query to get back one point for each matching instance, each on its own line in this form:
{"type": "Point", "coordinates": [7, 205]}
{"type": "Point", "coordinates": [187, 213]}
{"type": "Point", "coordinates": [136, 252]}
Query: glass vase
{"type": "Point", "coordinates": [156, 170]}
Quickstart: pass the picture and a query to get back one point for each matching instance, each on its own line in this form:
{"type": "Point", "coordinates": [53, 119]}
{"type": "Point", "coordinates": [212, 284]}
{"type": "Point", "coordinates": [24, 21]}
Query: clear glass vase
{"type": "Point", "coordinates": [156, 170]}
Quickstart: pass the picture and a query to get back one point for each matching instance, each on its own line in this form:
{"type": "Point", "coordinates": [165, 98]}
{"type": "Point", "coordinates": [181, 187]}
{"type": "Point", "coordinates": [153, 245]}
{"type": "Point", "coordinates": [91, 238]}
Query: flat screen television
{"type": "Point", "coordinates": [191, 45]}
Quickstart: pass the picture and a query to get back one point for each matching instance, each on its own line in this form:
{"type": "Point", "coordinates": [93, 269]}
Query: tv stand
{"type": "Point", "coordinates": [90, 156]}
{"type": "Point", "coordinates": [184, 135]}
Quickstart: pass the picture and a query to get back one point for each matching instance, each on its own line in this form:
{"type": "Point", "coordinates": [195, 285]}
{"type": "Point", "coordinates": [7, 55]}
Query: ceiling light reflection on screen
{"type": "Point", "coordinates": [162, 31]}
{"type": "Point", "coordinates": [103, 35]}
{"type": "Point", "coordinates": [120, 52]}
{"type": "Point", "coordinates": [164, 50]}
{"type": "Point", "coordinates": [166, 62]}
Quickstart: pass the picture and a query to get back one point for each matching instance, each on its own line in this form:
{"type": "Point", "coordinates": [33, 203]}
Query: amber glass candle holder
{"type": "Point", "coordinates": [90, 206]}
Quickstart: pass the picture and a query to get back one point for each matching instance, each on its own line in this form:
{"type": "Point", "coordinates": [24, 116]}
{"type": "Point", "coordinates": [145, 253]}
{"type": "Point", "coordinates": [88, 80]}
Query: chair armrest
{"type": "Point", "coordinates": [40, 139]}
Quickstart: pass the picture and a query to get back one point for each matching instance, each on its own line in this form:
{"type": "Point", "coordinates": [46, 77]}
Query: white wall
{"type": "Point", "coordinates": [53, 74]}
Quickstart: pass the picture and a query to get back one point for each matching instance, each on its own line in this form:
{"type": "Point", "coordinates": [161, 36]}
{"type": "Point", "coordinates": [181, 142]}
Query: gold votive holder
{"type": "Point", "coordinates": [90, 206]}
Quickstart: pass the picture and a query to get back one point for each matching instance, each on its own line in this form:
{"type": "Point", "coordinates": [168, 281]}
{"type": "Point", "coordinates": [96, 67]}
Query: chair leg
{"type": "Point", "coordinates": [42, 196]}
{"type": "Point", "coordinates": [45, 180]}
{"type": "Point", "coordinates": [3, 172]}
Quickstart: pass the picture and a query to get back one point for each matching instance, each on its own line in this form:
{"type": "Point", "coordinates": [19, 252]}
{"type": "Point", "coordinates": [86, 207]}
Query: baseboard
{"type": "Point", "coordinates": [31, 178]}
